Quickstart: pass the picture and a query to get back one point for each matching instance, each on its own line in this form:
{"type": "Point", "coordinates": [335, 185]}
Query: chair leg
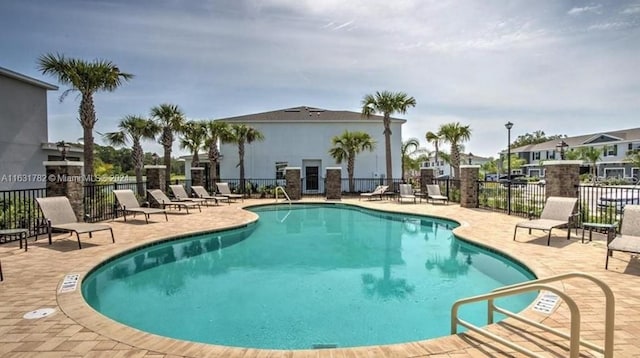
{"type": "Point", "coordinates": [606, 263]}
{"type": "Point", "coordinates": [146, 218]}
{"type": "Point", "coordinates": [112, 238]}
{"type": "Point", "coordinates": [1, 276]}
{"type": "Point", "coordinates": [49, 231]}
{"type": "Point", "coordinates": [124, 215]}
{"type": "Point", "coordinates": [549, 237]}
{"type": "Point", "coordinates": [25, 241]}
{"type": "Point", "coordinates": [515, 230]}
{"type": "Point", "coordinates": [165, 216]}
{"type": "Point", "coordinates": [79, 244]}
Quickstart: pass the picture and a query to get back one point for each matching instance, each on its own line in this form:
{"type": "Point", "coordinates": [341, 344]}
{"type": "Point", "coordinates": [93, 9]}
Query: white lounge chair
{"type": "Point", "coordinates": [557, 212]}
{"type": "Point", "coordinates": [406, 192]}
{"type": "Point", "coordinates": [180, 194]}
{"type": "Point", "coordinates": [433, 193]}
{"type": "Point", "coordinates": [129, 204]}
{"type": "Point", "coordinates": [59, 214]}
{"type": "Point", "coordinates": [163, 200]}
{"type": "Point", "coordinates": [629, 238]}
{"type": "Point", "coordinates": [202, 193]}
{"type": "Point", "coordinates": [224, 190]}
{"type": "Point", "coordinates": [378, 191]}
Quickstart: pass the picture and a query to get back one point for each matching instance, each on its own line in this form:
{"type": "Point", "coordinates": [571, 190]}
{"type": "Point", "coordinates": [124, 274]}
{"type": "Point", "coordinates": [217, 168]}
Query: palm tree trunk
{"type": "Point", "coordinates": [213, 154]}
{"type": "Point", "coordinates": [455, 159]}
{"type": "Point", "coordinates": [167, 142]}
{"type": "Point", "coordinates": [350, 168]}
{"type": "Point", "coordinates": [138, 156]}
{"type": "Point", "coordinates": [387, 148]}
{"type": "Point", "coordinates": [88, 119]}
{"type": "Point", "coordinates": [436, 157]}
{"type": "Point", "coordinates": [241, 163]}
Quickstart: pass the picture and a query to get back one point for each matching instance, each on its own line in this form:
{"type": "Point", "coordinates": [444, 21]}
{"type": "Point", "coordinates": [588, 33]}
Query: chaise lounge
{"type": "Point", "coordinates": [224, 190]}
{"type": "Point", "coordinates": [557, 212]}
{"type": "Point", "coordinates": [629, 239]}
{"type": "Point", "coordinates": [181, 194]}
{"type": "Point", "coordinates": [202, 193]}
{"type": "Point", "coordinates": [163, 200]}
{"type": "Point", "coordinates": [59, 214]}
{"type": "Point", "coordinates": [406, 192]}
{"type": "Point", "coordinates": [433, 193]}
{"type": "Point", "coordinates": [378, 191]}
{"type": "Point", "coordinates": [129, 204]}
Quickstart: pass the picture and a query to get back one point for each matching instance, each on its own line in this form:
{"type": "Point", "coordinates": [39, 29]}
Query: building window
{"type": "Point", "coordinates": [280, 169]}
{"type": "Point", "coordinates": [611, 150]}
{"type": "Point", "coordinates": [536, 156]}
{"type": "Point", "coordinates": [630, 146]}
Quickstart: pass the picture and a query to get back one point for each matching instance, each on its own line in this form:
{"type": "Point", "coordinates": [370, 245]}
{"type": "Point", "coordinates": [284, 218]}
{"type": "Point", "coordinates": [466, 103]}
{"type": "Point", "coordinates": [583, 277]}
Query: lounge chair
{"type": "Point", "coordinates": [406, 192]}
{"type": "Point", "coordinates": [224, 190]}
{"type": "Point", "coordinates": [433, 193]}
{"type": "Point", "coordinates": [629, 238]}
{"type": "Point", "coordinates": [557, 212]}
{"type": "Point", "coordinates": [129, 204]}
{"type": "Point", "coordinates": [378, 191]}
{"type": "Point", "coordinates": [59, 214]}
{"type": "Point", "coordinates": [202, 193]}
{"type": "Point", "coordinates": [163, 200]}
{"type": "Point", "coordinates": [181, 194]}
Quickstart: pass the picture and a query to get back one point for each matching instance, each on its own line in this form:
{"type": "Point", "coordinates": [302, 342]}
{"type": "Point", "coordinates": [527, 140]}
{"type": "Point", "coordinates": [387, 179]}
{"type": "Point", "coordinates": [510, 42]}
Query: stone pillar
{"type": "Point", "coordinates": [426, 177]}
{"type": "Point", "coordinates": [469, 175]}
{"type": "Point", "coordinates": [333, 187]}
{"type": "Point", "coordinates": [562, 178]}
{"type": "Point", "coordinates": [66, 178]}
{"type": "Point", "coordinates": [156, 177]}
{"type": "Point", "coordinates": [294, 185]}
{"type": "Point", "coordinates": [197, 176]}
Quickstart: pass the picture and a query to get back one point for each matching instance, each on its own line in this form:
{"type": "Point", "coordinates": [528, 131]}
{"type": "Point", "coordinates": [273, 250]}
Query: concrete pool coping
{"type": "Point", "coordinates": [484, 227]}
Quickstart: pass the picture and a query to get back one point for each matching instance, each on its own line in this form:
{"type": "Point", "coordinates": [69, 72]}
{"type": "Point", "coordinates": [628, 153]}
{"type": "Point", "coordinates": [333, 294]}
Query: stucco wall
{"type": "Point", "coordinates": [293, 142]}
{"type": "Point", "coordinates": [23, 115]}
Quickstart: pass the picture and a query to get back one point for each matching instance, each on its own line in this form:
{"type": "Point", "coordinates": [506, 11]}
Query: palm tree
{"type": "Point", "coordinates": [193, 136]}
{"type": "Point", "coordinates": [346, 146]}
{"type": "Point", "coordinates": [455, 134]}
{"type": "Point", "coordinates": [592, 155]}
{"type": "Point", "coordinates": [387, 103]}
{"type": "Point", "coordinates": [409, 147]}
{"type": "Point", "coordinates": [171, 120]}
{"type": "Point", "coordinates": [242, 134]}
{"type": "Point", "coordinates": [633, 156]}
{"type": "Point", "coordinates": [86, 78]}
{"type": "Point", "coordinates": [133, 129]}
{"type": "Point", "coordinates": [436, 140]}
{"type": "Point", "coordinates": [214, 131]}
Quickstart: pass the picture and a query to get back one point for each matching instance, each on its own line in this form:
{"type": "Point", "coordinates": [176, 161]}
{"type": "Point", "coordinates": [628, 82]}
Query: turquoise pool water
{"type": "Point", "coordinates": [305, 276]}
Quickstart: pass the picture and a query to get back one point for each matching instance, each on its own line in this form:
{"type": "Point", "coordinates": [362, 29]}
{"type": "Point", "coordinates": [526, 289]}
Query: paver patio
{"type": "Point", "coordinates": [32, 279]}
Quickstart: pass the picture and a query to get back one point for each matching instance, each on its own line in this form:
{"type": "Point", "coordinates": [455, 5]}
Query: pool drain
{"type": "Point", "coordinates": [39, 313]}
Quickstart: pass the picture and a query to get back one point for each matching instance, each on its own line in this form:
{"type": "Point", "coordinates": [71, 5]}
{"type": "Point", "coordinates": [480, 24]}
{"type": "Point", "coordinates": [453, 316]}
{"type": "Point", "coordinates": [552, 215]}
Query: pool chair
{"type": "Point", "coordinates": [377, 192]}
{"type": "Point", "coordinates": [629, 238]}
{"type": "Point", "coordinates": [163, 200]}
{"type": "Point", "coordinates": [59, 214]}
{"type": "Point", "coordinates": [129, 204]}
{"type": "Point", "coordinates": [433, 193]}
{"type": "Point", "coordinates": [181, 194]}
{"type": "Point", "coordinates": [202, 193]}
{"type": "Point", "coordinates": [557, 212]}
{"type": "Point", "coordinates": [224, 190]}
{"type": "Point", "coordinates": [406, 192]}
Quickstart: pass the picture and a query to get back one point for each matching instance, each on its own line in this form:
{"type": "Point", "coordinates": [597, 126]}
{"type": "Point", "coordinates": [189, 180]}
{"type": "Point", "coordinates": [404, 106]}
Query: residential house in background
{"type": "Point", "coordinates": [442, 168]}
{"type": "Point", "coordinates": [612, 164]}
{"type": "Point", "coordinates": [301, 137]}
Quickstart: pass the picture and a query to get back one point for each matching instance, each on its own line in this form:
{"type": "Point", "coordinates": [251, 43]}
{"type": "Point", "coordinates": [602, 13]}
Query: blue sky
{"type": "Point", "coordinates": [564, 67]}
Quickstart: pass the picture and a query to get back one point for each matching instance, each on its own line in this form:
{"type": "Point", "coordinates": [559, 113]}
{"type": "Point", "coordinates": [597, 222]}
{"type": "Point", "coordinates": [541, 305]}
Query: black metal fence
{"type": "Point", "coordinates": [521, 199]}
{"type": "Point", "coordinates": [604, 204]}
{"type": "Point", "coordinates": [100, 203]}
{"type": "Point", "coordinates": [20, 211]}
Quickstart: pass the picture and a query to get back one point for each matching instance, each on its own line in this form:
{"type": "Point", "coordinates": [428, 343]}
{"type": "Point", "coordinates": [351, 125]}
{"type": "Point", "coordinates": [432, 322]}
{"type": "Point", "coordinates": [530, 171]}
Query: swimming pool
{"type": "Point", "coordinates": [303, 277]}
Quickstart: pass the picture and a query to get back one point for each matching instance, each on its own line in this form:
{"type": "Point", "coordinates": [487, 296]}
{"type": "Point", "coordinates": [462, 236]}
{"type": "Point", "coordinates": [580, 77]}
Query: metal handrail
{"type": "Point", "coordinates": [284, 193]}
{"type": "Point", "coordinates": [573, 336]}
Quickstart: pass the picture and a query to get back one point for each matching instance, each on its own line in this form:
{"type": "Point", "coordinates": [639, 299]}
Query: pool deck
{"type": "Point", "coordinates": [31, 281]}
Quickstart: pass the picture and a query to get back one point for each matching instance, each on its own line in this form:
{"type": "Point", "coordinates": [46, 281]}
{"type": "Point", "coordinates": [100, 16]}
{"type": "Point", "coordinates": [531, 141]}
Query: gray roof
{"type": "Point", "coordinates": [32, 81]}
{"type": "Point", "coordinates": [632, 134]}
{"type": "Point", "coordinates": [305, 113]}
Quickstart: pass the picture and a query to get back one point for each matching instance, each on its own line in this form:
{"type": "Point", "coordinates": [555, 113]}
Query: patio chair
{"type": "Point", "coordinates": [181, 194]}
{"type": "Point", "coordinates": [406, 192]}
{"type": "Point", "coordinates": [163, 200]}
{"type": "Point", "coordinates": [629, 238]}
{"type": "Point", "coordinates": [378, 191]}
{"type": "Point", "coordinates": [224, 190]}
{"type": "Point", "coordinates": [129, 204]}
{"type": "Point", "coordinates": [202, 193]}
{"type": "Point", "coordinates": [59, 214]}
{"type": "Point", "coordinates": [433, 193]}
{"type": "Point", "coordinates": [557, 212]}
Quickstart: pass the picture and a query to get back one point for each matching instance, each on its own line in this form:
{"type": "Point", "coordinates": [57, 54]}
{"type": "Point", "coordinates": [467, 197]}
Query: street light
{"type": "Point", "coordinates": [561, 145]}
{"type": "Point", "coordinates": [469, 158]}
{"type": "Point", "coordinates": [509, 125]}
{"type": "Point", "coordinates": [154, 156]}
{"type": "Point", "coordinates": [63, 148]}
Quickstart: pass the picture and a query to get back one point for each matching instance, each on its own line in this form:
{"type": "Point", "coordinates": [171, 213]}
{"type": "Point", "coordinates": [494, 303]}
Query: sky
{"type": "Point", "coordinates": [563, 67]}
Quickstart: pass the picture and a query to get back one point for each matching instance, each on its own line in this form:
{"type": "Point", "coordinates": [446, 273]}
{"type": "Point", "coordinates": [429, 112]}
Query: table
{"type": "Point", "coordinates": [609, 229]}
{"type": "Point", "coordinates": [20, 233]}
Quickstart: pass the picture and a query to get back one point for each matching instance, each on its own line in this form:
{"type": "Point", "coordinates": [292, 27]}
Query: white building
{"type": "Point", "coordinates": [301, 137]}
{"type": "Point", "coordinates": [442, 168]}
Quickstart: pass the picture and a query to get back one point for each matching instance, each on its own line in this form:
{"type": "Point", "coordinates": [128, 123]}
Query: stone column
{"type": "Point", "coordinates": [197, 176]}
{"type": "Point", "coordinates": [469, 175]}
{"type": "Point", "coordinates": [66, 178]}
{"type": "Point", "coordinates": [426, 177]}
{"type": "Point", "coordinates": [294, 185]}
{"type": "Point", "coordinates": [334, 183]}
{"type": "Point", "coordinates": [562, 178]}
{"type": "Point", "coordinates": [156, 177]}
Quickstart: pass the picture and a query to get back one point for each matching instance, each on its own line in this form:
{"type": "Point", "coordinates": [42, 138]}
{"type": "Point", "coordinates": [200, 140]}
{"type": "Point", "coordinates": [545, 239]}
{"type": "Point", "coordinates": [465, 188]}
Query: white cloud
{"type": "Point", "coordinates": [631, 9]}
{"type": "Point", "coordinates": [580, 10]}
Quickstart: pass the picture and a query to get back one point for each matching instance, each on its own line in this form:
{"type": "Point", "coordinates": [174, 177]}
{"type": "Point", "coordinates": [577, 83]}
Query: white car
{"type": "Point", "coordinates": [618, 201]}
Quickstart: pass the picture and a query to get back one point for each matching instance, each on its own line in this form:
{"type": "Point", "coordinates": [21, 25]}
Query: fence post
{"type": "Point", "coordinates": [426, 178]}
{"type": "Point", "coordinates": [155, 178]}
{"type": "Point", "coordinates": [197, 173]}
{"type": "Point", "coordinates": [562, 178]}
{"type": "Point", "coordinates": [469, 175]}
{"type": "Point", "coordinates": [333, 187]}
{"type": "Point", "coordinates": [64, 178]}
{"type": "Point", "coordinates": [294, 182]}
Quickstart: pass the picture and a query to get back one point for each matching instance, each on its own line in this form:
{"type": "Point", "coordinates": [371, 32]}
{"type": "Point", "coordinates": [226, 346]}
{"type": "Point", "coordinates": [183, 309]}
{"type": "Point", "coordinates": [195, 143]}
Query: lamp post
{"type": "Point", "coordinates": [509, 125]}
{"type": "Point", "coordinates": [469, 158]}
{"type": "Point", "coordinates": [154, 156]}
{"type": "Point", "coordinates": [561, 145]}
{"type": "Point", "coordinates": [63, 148]}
